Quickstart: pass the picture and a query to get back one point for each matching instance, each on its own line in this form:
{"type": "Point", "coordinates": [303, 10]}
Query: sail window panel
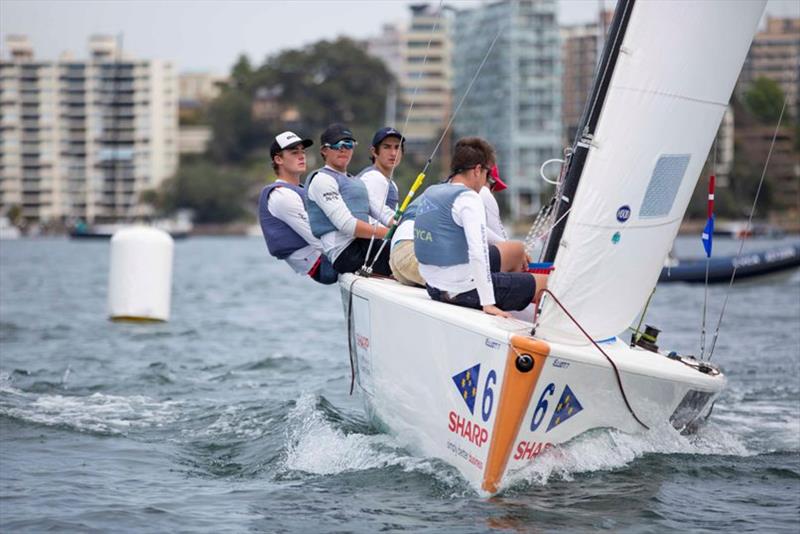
{"type": "Point", "coordinates": [664, 185]}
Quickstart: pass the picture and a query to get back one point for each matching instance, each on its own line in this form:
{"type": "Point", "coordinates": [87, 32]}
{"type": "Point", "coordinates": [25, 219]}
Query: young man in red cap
{"type": "Point", "coordinates": [512, 253]}
{"type": "Point", "coordinates": [339, 209]}
{"type": "Point", "coordinates": [282, 212]}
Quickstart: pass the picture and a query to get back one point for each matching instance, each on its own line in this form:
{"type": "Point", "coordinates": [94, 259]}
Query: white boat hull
{"type": "Point", "coordinates": [445, 380]}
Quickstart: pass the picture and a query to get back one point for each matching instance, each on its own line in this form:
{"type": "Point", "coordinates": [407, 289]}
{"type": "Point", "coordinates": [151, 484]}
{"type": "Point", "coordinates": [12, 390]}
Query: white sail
{"type": "Point", "coordinates": [677, 66]}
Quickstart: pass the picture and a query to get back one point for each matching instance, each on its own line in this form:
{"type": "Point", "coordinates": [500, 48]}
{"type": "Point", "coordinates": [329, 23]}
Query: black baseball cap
{"type": "Point", "coordinates": [287, 140]}
{"type": "Point", "coordinates": [383, 133]}
{"type": "Point", "coordinates": [335, 133]}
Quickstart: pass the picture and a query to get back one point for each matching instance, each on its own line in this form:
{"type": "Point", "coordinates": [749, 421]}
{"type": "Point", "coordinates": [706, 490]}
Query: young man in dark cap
{"type": "Point", "coordinates": [282, 212]}
{"type": "Point", "coordinates": [339, 209]}
{"type": "Point", "coordinates": [451, 245]}
{"type": "Point", "coordinates": [385, 153]}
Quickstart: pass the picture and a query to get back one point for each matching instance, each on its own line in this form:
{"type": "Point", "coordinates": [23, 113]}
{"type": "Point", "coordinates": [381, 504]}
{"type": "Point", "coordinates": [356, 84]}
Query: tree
{"type": "Point", "coordinates": [765, 100]}
{"type": "Point", "coordinates": [216, 195]}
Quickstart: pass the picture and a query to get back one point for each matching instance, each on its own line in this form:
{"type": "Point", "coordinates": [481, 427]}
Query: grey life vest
{"type": "Point", "coordinates": [281, 239]}
{"type": "Point", "coordinates": [353, 192]}
{"type": "Point", "coordinates": [411, 210]}
{"type": "Point", "coordinates": [392, 195]}
{"type": "Point", "coordinates": [438, 240]}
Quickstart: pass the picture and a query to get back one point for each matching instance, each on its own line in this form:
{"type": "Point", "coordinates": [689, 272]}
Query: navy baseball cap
{"type": "Point", "coordinates": [335, 133]}
{"type": "Point", "coordinates": [383, 133]}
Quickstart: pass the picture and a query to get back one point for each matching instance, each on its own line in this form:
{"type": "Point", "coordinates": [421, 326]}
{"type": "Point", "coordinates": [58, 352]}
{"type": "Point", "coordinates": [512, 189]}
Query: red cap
{"type": "Point", "coordinates": [498, 184]}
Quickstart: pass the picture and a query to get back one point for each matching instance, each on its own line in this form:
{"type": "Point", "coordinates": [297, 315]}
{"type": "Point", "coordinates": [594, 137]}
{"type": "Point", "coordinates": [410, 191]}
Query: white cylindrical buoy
{"type": "Point", "coordinates": [140, 274]}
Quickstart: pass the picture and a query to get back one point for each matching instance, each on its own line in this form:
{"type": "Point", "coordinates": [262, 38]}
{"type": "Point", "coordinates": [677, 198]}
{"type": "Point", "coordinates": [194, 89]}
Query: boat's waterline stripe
{"type": "Point", "coordinates": [515, 397]}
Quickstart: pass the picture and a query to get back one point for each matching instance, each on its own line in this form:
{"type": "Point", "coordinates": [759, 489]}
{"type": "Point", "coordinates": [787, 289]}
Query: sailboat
{"type": "Point", "coordinates": [489, 395]}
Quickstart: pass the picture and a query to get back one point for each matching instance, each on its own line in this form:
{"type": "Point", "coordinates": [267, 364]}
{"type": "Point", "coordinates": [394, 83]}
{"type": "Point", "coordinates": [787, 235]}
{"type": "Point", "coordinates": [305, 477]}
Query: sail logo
{"type": "Point", "coordinates": [624, 213]}
{"type": "Point", "coordinates": [568, 406]}
{"type": "Point", "coordinates": [467, 384]}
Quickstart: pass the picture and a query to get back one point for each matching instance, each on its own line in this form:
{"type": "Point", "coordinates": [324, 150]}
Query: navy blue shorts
{"type": "Point", "coordinates": [351, 259]}
{"type": "Point", "coordinates": [512, 291]}
{"type": "Point", "coordinates": [324, 272]}
{"type": "Point", "coordinates": [494, 259]}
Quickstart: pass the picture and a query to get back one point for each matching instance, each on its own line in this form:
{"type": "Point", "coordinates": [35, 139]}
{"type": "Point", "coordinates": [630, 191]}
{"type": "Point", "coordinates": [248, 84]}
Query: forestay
{"type": "Point", "coordinates": [676, 69]}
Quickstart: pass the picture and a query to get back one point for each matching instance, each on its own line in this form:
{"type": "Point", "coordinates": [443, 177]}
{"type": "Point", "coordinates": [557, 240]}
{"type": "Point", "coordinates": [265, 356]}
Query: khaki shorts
{"type": "Point", "coordinates": [403, 262]}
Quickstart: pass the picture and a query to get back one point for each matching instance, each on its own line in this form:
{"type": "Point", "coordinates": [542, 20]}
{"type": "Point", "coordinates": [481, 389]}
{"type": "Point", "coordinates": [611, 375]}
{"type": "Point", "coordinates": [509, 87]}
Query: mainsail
{"type": "Point", "coordinates": [668, 72]}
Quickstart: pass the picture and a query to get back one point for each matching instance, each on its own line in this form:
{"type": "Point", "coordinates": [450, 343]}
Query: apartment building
{"type": "Point", "coordinates": [81, 139]}
{"type": "Point", "coordinates": [515, 103]}
{"type": "Point", "coordinates": [419, 56]}
{"type": "Point", "coordinates": [775, 54]}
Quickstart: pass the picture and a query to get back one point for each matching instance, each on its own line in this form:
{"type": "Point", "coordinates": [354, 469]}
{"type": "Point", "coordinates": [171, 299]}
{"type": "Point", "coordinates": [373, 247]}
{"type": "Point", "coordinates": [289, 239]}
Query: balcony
{"type": "Point", "coordinates": [30, 149]}
{"type": "Point", "coordinates": [29, 97]}
{"type": "Point", "coordinates": [115, 138]}
{"type": "Point", "coordinates": [73, 99]}
{"type": "Point", "coordinates": [75, 113]}
{"type": "Point", "coordinates": [74, 152]}
{"type": "Point", "coordinates": [30, 125]}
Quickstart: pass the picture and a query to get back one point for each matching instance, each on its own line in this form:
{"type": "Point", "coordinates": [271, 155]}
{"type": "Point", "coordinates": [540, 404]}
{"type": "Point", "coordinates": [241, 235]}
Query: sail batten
{"type": "Point", "coordinates": [665, 99]}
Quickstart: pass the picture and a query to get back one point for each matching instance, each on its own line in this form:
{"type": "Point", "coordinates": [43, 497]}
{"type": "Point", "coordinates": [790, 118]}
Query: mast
{"type": "Point", "coordinates": [586, 129]}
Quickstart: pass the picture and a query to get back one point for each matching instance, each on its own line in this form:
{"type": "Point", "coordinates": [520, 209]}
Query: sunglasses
{"type": "Point", "coordinates": [344, 144]}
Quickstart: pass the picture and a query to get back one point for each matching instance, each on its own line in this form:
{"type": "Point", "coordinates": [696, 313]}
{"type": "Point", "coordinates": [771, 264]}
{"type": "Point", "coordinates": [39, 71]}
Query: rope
{"type": "Point", "coordinates": [613, 365]}
{"type": "Point", "coordinates": [367, 269]}
{"type": "Point", "coordinates": [444, 134]}
{"type": "Point", "coordinates": [747, 229]}
{"type": "Point", "coordinates": [350, 334]}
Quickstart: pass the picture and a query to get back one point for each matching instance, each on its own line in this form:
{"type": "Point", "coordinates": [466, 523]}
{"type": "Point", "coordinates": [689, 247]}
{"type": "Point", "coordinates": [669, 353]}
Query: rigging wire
{"type": "Point", "coordinates": [708, 262]}
{"type": "Point", "coordinates": [421, 176]}
{"type": "Point", "coordinates": [747, 229]}
{"type": "Point", "coordinates": [367, 269]}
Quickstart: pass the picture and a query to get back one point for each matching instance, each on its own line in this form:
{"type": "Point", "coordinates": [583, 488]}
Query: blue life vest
{"type": "Point", "coordinates": [438, 240]}
{"type": "Point", "coordinates": [281, 239]}
{"type": "Point", "coordinates": [392, 196]}
{"type": "Point", "coordinates": [353, 192]}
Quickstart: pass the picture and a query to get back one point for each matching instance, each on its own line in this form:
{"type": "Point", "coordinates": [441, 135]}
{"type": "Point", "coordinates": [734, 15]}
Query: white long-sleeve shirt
{"type": "Point", "coordinates": [377, 186]}
{"type": "Point", "coordinates": [497, 231]}
{"type": "Point", "coordinates": [288, 206]}
{"type": "Point", "coordinates": [468, 212]}
{"type": "Point", "coordinates": [324, 190]}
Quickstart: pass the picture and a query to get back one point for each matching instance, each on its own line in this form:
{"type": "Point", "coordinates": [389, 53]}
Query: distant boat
{"type": "Point", "coordinates": [740, 230]}
{"type": "Point", "coordinates": [177, 229]}
{"type": "Point", "coordinates": [693, 271]}
{"type": "Point", "coordinates": [8, 230]}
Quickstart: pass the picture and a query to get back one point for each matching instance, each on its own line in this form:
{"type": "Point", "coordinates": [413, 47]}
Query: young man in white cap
{"type": "Point", "coordinates": [385, 153]}
{"type": "Point", "coordinates": [282, 212]}
{"type": "Point", "coordinates": [450, 240]}
{"type": "Point", "coordinates": [339, 209]}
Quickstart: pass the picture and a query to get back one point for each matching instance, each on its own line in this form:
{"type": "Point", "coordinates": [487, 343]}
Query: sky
{"type": "Point", "coordinates": [209, 35]}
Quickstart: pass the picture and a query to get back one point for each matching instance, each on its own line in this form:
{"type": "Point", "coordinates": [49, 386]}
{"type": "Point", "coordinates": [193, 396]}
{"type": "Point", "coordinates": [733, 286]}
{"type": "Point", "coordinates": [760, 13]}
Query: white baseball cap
{"type": "Point", "coordinates": [287, 140]}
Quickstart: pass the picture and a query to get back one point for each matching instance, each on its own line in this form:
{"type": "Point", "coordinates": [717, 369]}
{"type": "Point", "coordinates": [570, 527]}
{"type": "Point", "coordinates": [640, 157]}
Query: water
{"type": "Point", "coordinates": [235, 415]}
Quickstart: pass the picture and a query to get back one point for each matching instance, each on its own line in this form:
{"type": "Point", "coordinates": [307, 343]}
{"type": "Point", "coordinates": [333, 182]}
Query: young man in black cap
{"type": "Point", "coordinates": [450, 240]}
{"type": "Point", "coordinates": [385, 153]}
{"type": "Point", "coordinates": [282, 212]}
{"type": "Point", "coordinates": [339, 210]}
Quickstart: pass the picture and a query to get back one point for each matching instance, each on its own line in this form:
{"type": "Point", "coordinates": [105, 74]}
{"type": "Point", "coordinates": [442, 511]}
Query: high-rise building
{"type": "Point", "coordinates": [83, 138]}
{"type": "Point", "coordinates": [581, 46]}
{"type": "Point", "coordinates": [515, 102]}
{"type": "Point", "coordinates": [419, 56]}
{"type": "Point", "coordinates": [775, 54]}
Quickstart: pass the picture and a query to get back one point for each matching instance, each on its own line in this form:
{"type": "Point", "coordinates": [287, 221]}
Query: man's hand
{"type": "Point", "coordinates": [494, 310]}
